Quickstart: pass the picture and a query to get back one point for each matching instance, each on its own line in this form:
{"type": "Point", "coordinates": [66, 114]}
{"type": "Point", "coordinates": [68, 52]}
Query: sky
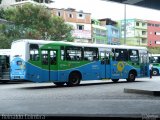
{"type": "Point", "coordinates": [102, 9]}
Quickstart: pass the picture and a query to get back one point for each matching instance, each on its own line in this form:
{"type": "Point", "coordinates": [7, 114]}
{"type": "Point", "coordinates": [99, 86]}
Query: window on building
{"type": "Point", "coordinates": [81, 15]}
{"type": "Point", "coordinates": [70, 15]}
{"type": "Point", "coordinates": [157, 42]}
{"type": "Point", "coordinates": [97, 32]}
{"type": "Point", "coordinates": [59, 13]}
{"type": "Point", "coordinates": [149, 24]}
{"type": "Point", "coordinates": [80, 27]}
{"type": "Point", "coordinates": [157, 33]}
{"type": "Point", "coordinates": [34, 52]}
{"type": "Point", "coordinates": [18, 0]}
{"type": "Point", "coordinates": [47, 1]}
{"type": "Point", "coordinates": [156, 25]}
{"type": "Point", "coordinates": [103, 33]}
{"type": "Point", "coordinates": [114, 31]}
{"type": "Point", "coordinates": [137, 23]}
{"type": "Point", "coordinates": [144, 32]}
{"type": "Point", "coordinates": [39, 1]}
{"type": "Point", "coordinates": [150, 42]}
{"type": "Point", "coordinates": [144, 40]}
{"type": "Point", "coordinates": [143, 24]}
{"type": "Point", "coordinates": [153, 25]}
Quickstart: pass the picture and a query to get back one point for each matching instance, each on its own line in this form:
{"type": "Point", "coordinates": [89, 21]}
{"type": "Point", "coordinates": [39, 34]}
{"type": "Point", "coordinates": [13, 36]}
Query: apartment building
{"type": "Point", "coordinates": [80, 21]}
{"type": "Point", "coordinates": [113, 32]}
{"type": "Point", "coordinates": [153, 33]}
{"type": "Point", "coordinates": [99, 33]}
{"type": "Point", "coordinates": [136, 31]}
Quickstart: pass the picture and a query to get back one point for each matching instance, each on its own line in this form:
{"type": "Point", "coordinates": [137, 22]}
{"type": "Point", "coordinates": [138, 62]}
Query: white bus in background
{"type": "Point", "coordinates": [4, 65]}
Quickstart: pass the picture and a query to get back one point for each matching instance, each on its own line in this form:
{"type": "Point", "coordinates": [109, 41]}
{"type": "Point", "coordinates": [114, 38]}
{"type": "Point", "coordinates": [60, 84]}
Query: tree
{"type": "Point", "coordinates": [59, 30]}
{"type": "Point", "coordinates": [1, 13]}
{"type": "Point", "coordinates": [34, 22]}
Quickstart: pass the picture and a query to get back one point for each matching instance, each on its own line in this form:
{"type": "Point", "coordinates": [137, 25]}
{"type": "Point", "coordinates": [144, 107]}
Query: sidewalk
{"type": "Point", "coordinates": [151, 87]}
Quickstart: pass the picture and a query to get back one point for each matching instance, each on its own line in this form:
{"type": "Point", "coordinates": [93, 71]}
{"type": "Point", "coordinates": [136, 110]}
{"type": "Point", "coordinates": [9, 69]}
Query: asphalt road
{"type": "Point", "coordinates": [93, 98]}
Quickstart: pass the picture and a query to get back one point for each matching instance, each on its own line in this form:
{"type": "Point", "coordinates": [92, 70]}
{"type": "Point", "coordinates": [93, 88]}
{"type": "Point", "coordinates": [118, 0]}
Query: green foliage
{"type": "Point", "coordinates": [2, 13]}
{"type": "Point", "coordinates": [59, 30]}
{"type": "Point", "coordinates": [33, 22]}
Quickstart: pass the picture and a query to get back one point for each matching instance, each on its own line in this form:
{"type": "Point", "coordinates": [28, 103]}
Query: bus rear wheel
{"type": "Point", "coordinates": [74, 79]}
{"type": "Point", "coordinates": [131, 77]}
{"type": "Point", "coordinates": [115, 80]}
{"type": "Point", "coordinates": [155, 72]}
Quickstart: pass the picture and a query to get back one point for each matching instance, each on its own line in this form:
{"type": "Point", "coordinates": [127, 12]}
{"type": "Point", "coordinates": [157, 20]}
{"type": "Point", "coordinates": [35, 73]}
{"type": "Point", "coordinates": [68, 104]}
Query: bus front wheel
{"type": "Point", "coordinates": [131, 77]}
{"type": "Point", "coordinates": [74, 79]}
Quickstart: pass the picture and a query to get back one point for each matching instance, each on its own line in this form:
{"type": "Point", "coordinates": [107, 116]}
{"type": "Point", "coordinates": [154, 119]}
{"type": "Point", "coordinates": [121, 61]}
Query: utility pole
{"type": "Point", "coordinates": [124, 23]}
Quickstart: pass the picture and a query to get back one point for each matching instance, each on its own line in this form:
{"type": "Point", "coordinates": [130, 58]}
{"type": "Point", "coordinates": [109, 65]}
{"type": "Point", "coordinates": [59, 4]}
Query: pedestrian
{"type": "Point", "coordinates": [150, 69]}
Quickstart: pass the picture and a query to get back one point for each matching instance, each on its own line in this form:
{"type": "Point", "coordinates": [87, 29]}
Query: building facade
{"type": "Point", "coordinates": [113, 35]}
{"type": "Point", "coordinates": [153, 33]}
{"type": "Point", "coordinates": [113, 32]}
{"type": "Point", "coordinates": [99, 33]}
{"type": "Point", "coordinates": [80, 21]}
{"type": "Point", "coordinates": [136, 32]}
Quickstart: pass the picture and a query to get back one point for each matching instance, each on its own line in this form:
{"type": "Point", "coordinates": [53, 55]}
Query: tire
{"type": "Point", "coordinates": [155, 72]}
{"type": "Point", "coordinates": [115, 80]}
{"type": "Point", "coordinates": [59, 83]}
{"type": "Point", "coordinates": [74, 79]}
{"type": "Point", "coordinates": [4, 81]}
{"type": "Point", "coordinates": [131, 77]}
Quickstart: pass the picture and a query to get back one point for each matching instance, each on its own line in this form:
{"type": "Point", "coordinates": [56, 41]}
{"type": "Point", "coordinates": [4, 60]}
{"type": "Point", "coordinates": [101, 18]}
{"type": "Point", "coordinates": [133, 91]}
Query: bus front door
{"type": "Point", "coordinates": [105, 69]}
{"type": "Point", "coordinates": [49, 65]}
{"type": "Point", "coordinates": [144, 64]}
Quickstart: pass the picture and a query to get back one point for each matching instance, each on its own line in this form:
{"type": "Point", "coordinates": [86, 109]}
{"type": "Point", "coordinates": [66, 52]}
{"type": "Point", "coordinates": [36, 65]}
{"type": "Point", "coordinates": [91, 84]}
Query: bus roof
{"type": "Point", "coordinates": [5, 51]}
{"type": "Point", "coordinates": [30, 41]}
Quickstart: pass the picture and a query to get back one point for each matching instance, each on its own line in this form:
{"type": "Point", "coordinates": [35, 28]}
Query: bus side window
{"type": "Point", "coordinates": [73, 53]}
{"type": "Point", "coordinates": [90, 54]}
{"type": "Point", "coordinates": [121, 54]}
{"type": "Point", "coordinates": [53, 59]}
{"type": "Point", "coordinates": [44, 57]}
{"type": "Point", "coordinates": [62, 53]}
{"type": "Point", "coordinates": [133, 55]}
{"type": "Point", "coordinates": [34, 52]}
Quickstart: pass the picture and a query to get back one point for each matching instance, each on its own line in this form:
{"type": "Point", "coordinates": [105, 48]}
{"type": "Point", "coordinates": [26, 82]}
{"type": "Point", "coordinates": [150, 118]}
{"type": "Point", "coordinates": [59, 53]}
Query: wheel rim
{"type": "Point", "coordinates": [75, 80]}
{"type": "Point", "coordinates": [155, 72]}
{"type": "Point", "coordinates": [131, 76]}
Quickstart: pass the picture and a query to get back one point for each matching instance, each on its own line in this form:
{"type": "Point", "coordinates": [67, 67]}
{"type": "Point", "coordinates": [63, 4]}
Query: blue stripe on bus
{"type": "Point", "coordinates": [92, 71]}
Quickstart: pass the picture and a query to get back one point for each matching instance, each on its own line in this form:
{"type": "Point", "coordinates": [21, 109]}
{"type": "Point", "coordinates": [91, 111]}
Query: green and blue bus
{"type": "Point", "coordinates": [69, 63]}
{"type": "Point", "coordinates": [155, 61]}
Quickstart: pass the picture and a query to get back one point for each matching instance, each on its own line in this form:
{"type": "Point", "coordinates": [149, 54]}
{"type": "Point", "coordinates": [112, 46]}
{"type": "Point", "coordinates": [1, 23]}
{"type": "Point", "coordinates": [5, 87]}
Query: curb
{"type": "Point", "coordinates": [139, 91]}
